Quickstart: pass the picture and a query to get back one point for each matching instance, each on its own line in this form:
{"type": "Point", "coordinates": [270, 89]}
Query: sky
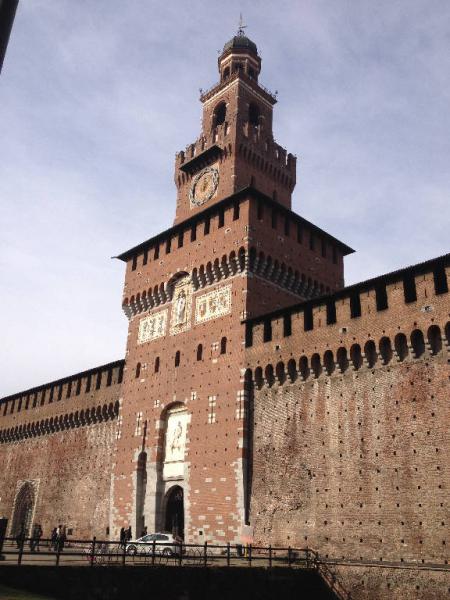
{"type": "Point", "coordinates": [97, 96]}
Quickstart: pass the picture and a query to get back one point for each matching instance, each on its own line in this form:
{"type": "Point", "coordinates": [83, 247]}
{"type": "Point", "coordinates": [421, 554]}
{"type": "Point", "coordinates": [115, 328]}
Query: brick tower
{"type": "Point", "coordinates": [235, 250]}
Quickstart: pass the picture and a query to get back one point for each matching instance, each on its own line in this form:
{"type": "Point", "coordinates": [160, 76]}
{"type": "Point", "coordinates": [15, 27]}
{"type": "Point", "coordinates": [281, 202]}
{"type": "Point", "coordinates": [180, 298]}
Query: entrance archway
{"type": "Point", "coordinates": [23, 510]}
{"type": "Point", "coordinates": [174, 511]}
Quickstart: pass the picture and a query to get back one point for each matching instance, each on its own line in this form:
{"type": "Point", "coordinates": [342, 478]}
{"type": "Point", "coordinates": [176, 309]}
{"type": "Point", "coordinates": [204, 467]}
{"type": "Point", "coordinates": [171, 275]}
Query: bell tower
{"type": "Point", "coordinates": [236, 148]}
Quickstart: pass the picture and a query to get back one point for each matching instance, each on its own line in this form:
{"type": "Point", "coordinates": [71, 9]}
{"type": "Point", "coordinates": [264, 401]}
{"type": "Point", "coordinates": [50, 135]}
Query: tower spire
{"type": "Point", "coordinates": [241, 26]}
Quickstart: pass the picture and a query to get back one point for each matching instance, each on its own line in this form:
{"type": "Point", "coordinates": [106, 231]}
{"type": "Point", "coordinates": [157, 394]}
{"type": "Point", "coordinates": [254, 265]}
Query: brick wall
{"type": "Point", "coordinates": [64, 448]}
{"type": "Point", "coordinates": [349, 439]}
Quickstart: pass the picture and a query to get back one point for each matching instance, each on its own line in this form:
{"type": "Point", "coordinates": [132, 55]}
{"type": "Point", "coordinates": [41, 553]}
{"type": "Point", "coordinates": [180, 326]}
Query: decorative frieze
{"type": "Point", "coordinates": [216, 303]}
{"type": "Point", "coordinates": [244, 262]}
{"type": "Point", "coordinates": [152, 327]}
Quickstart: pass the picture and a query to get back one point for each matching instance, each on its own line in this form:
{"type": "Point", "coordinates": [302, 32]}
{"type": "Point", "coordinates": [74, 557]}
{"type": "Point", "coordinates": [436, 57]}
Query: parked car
{"type": "Point", "coordinates": [164, 543]}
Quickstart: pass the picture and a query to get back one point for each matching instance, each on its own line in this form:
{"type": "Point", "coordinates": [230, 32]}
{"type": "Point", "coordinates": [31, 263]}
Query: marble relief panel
{"type": "Point", "coordinates": [180, 319]}
{"type": "Point", "coordinates": [152, 327]}
{"type": "Point", "coordinates": [213, 304]}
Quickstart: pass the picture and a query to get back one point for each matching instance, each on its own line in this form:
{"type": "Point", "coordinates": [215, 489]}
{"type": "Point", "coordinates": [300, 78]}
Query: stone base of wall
{"type": "Point", "coordinates": [370, 583]}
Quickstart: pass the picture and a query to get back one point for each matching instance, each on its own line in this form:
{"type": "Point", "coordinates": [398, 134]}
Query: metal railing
{"type": "Point", "coordinates": [96, 552]}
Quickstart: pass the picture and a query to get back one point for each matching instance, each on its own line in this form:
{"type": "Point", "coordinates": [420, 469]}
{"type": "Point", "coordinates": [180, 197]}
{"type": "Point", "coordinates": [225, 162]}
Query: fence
{"type": "Point", "coordinates": [96, 552]}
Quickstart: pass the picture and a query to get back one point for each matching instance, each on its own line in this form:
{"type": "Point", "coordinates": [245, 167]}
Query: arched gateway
{"type": "Point", "coordinates": [174, 511]}
{"type": "Point", "coordinates": [23, 510]}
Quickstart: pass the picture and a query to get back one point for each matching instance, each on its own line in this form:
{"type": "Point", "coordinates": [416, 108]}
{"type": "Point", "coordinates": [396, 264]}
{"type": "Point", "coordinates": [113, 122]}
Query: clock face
{"type": "Point", "coordinates": [204, 186]}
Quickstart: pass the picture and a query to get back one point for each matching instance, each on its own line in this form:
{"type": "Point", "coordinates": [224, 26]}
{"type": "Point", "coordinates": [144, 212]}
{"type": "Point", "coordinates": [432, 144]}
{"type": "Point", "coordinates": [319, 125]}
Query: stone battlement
{"type": "Point", "coordinates": [394, 317]}
{"type": "Point", "coordinates": [37, 399]}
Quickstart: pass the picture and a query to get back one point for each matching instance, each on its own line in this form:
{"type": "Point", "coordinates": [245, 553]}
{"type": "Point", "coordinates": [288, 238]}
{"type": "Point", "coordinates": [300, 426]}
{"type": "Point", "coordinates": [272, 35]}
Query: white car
{"type": "Point", "coordinates": [164, 543]}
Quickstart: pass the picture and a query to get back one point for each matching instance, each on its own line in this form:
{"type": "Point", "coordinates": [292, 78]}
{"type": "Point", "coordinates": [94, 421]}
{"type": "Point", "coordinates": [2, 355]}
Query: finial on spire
{"type": "Point", "coordinates": [241, 27]}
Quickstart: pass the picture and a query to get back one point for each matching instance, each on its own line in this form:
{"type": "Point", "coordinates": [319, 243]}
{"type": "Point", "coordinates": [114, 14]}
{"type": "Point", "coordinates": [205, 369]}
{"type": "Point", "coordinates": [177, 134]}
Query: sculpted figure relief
{"type": "Point", "coordinates": [181, 308]}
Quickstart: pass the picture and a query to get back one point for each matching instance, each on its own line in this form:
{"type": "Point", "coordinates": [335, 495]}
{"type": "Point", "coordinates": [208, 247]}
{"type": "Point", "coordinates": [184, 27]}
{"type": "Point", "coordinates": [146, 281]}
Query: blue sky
{"type": "Point", "coordinates": [97, 96]}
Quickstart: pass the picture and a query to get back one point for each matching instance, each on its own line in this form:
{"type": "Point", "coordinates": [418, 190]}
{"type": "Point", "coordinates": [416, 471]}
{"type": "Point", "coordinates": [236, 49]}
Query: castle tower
{"type": "Point", "coordinates": [236, 147]}
{"type": "Point", "coordinates": [183, 458]}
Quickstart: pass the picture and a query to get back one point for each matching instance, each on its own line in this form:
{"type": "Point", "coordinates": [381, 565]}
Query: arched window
{"type": "Point", "coordinates": [417, 343]}
{"type": "Point", "coordinates": [292, 370]}
{"type": "Point", "coordinates": [199, 352]}
{"type": "Point", "coordinates": [281, 376]}
{"type": "Point", "coordinates": [226, 73]}
{"type": "Point", "coordinates": [401, 346]}
{"type": "Point", "coordinates": [342, 359]}
{"type": "Point", "coordinates": [315, 365]}
{"type": "Point", "coordinates": [370, 352]}
{"type": "Point", "coordinates": [253, 114]}
{"type": "Point", "coordinates": [223, 345]}
{"type": "Point", "coordinates": [177, 358]}
{"type": "Point", "coordinates": [328, 362]}
{"type": "Point", "coordinates": [157, 364]}
{"type": "Point", "coordinates": [138, 370]}
{"type": "Point", "coordinates": [220, 113]}
{"type": "Point", "coordinates": [386, 350]}
{"type": "Point", "coordinates": [356, 356]}
{"type": "Point", "coordinates": [268, 373]}
{"type": "Point", "coordinates": [435, 339]}
{"type": "Point", "coordinates": [303, 367]}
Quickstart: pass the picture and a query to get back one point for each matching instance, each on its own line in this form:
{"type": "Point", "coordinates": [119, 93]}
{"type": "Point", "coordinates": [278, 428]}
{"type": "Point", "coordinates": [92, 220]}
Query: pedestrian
{"type": "Point", "coordinates": [62, 537]}
{"type": "Point", "coordinates": [33, 539]}
{"type": "Point", "coordinates": [129, 534]}
{"type": "Point", "coordinates": [38, 538]}
{"type": "Point", "coordinates": [53, 539]}
{"type": "Point", "coordinates": [20, 538]}
{"type": "Point", "coordinates": [122, 537]}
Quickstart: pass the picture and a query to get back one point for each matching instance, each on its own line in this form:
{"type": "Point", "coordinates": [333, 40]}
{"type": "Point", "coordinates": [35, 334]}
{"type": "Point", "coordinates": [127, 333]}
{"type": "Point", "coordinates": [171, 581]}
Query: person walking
{"type": "Point", "coordinates": [61, 538]}
{"type": "Point", "coordinates": [33, 539]}
{"type": "Point", "coordinates": [20, 538]}
{"type": "Point", "coordinates": [53, 539]}
{"type": "Point", "coordinates": [38, 538]}
{"type": "Point", "coordinates": [122, 537]}
{"type": "Point", "coordinates": [129, 534]}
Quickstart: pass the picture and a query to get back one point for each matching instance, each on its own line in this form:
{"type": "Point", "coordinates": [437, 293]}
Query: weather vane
{"type": "Point", "coordinates": [241, 25]}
